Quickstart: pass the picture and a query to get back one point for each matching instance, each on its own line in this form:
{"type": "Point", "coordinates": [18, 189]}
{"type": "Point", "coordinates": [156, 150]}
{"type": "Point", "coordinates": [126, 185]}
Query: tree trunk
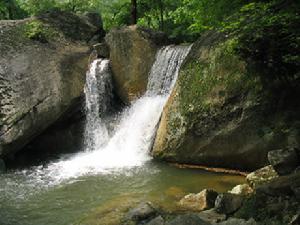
{"type": "Point", "coordinates": [133, 12]}
{"type": "Point", "coordinates": [161, 9]}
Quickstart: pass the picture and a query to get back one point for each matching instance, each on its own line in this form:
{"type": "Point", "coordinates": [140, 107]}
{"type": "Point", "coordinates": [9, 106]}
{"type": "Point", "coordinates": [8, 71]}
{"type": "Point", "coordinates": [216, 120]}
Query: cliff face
{"type": "Point", "coordinates": [43, 61]}
{"type": "Point", "coordinates": [219, 114]}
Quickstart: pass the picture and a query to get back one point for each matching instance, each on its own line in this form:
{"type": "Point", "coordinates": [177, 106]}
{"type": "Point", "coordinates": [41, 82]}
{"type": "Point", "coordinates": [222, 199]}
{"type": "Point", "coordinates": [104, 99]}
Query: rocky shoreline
{"type": "Point", "coordinates": [270, 197]}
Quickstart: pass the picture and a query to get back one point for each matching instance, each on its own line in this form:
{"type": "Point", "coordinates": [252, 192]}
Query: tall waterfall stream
{"type": "Point", "coordinates": [115, 163]}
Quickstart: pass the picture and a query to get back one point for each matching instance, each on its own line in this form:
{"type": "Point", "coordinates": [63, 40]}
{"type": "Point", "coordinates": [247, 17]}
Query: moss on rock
{"type": "Point", "coordinates": [218, 114]}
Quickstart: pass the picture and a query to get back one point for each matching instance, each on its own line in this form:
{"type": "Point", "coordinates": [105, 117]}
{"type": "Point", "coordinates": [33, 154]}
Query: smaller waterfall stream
{"type": "Point", "coordinates": [98, 92]}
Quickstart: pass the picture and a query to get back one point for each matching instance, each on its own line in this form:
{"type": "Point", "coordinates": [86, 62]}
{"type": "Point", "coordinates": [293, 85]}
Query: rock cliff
{"type": "Point", "coordinates": [219, 114]}
{"type": "Point", "coordinates": [43, 61]}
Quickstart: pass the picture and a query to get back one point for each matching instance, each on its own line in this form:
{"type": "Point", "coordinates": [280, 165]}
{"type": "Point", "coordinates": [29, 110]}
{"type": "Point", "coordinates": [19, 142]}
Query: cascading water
{"type": "Point", "coordinates": [98, 93]}
{"type": "Point", "coordinates": [128, 144]}
{"type": "Point", "coordinates": [63, 192]}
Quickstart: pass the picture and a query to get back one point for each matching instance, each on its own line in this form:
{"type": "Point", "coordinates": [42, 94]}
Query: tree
{"type": "Point", "coordinates": [133, 12]}
{"type": "Point", "coordinates": [161, 10]}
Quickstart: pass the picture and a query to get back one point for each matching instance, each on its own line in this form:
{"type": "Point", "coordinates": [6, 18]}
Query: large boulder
{"type": "Point", "coordinates": [284, 161]}
{"type": "Point", "coordinates": [218, 114]}
{"type": "Point", "coordinates": [132, 53]}
{"type": "Point", "coordinates": [43, 61]}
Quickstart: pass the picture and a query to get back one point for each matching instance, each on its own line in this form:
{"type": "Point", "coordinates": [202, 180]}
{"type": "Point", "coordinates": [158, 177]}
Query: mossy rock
{"type": "Point", "coordinates": [218, 114]}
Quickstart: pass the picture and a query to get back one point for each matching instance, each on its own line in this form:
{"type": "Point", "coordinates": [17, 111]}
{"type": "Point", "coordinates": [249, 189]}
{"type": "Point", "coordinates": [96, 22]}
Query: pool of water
{"type": "Point", "coordinates": [28, 197]}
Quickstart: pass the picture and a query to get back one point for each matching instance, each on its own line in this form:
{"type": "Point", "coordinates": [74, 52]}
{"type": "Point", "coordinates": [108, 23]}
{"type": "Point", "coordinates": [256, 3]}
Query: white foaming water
{"type": "Point", "coordinates": [98, 92]}
{"type": "Point", "coordinates": [128, 146]}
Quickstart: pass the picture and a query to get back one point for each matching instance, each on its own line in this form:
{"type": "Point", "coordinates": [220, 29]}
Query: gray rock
{"type": "Point", "coordinates": [141, 212]}
{"type": "Point", "coordinates": [132, 53]}
{"type": "Point", "coordinates": [284, 161]}
{"type": "Point", "coordinates": [40, 80]}
{"type": "Point", "coordinates": [235, 221]}
{"type": "Point", "coordinates": [199, 202]}
{"type": "Point", "coordinates": [102, 50]}
{"type": "Point", "coordinates": [211, 216]}
{"type": "Point", "coordinates": [187, 219]}
{"type": "Point", "coordinates": [281, 186]}
{"type": "Point", "coordinates": [241, 189]}
{"type": "Point", "coordinates": [261, 176]}
{"type": "Point", "coordinates": [228, 203]}
{"type": "Point", "coordinates": [156, 221]}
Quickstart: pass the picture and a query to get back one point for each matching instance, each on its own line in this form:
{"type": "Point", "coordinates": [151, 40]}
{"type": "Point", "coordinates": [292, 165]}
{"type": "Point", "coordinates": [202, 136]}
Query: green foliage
{"type": "Point", "coordinates": [38, 31]}
{"type": "Point", "coordinates": [10, 9]}
{"type": "Point", "coordinates": [268, 36]}
{"type": "Point", "coordinates": [34, 7]}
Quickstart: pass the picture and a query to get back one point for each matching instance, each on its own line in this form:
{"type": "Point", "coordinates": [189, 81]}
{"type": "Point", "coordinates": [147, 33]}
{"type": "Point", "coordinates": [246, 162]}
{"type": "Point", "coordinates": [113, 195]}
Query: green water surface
{"type": "Point", "coordinates": [29, 200]}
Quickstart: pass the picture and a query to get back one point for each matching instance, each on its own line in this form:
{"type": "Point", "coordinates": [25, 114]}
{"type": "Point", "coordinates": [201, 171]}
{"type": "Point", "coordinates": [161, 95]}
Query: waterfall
{"type": "Point", "coordinates": [129, 142]}
{"type": "Point", "coordinates": [165, 69]}
{"type": "Point", "coordinates": [98, 93]}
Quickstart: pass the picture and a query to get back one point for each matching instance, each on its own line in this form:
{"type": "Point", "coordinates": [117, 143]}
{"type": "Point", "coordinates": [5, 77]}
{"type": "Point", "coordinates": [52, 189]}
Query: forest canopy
{"type": "Point", "coordinates": [183, 19]}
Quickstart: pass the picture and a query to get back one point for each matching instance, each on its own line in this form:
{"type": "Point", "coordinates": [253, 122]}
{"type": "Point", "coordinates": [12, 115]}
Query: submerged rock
{"type": "Point", "coordinates": [284, 161]}
{"type": "Point", "coordinates": [132, 53]}
{"type": "Point", "coordinates": [218, 115]}
{"type": "Point", "coordinates": [228, 203]}
{"type": "Point", "coordinates": [141, 212]}
{"type": "Point", "coordinates": [42, 74]}
{"type": "Point", "coordinates": [199, 202]}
